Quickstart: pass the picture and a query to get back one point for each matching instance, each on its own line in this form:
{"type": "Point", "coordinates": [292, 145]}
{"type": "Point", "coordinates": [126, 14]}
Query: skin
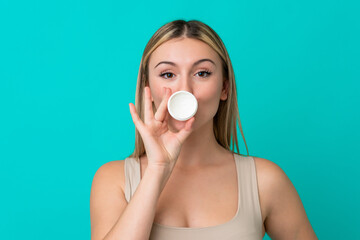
{"type": "Point", "coordinates": [283, 214]}
{"type": "Point", "coordinates": [201, 169]}
{"type": "Point", "coordinates": [208, 90]}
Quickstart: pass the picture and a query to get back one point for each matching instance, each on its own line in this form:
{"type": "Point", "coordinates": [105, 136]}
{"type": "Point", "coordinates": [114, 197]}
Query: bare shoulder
{"type": "Point", "coordinates": [270, 177]}
{"type": "Point", "coordinates": [112, 172]}
{"type": "Point", "coordinates": [107, 198]}
{"type": "Point", "coordinates": [266, 167]}
{"type": "Point", "coordinates": [285, 216]}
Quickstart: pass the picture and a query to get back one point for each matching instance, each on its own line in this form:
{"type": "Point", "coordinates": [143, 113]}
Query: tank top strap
{"type": "Point", "coordinates": [248, 188]}
{"type": "Point", "coordinates": [132, 176]}
{"type": "Point", "coordinates": [249, 204]}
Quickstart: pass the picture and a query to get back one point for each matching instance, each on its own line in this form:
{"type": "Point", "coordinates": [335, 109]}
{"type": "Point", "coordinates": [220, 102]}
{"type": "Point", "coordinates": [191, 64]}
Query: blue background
{"type": "Point", "coordinates": [68, 72]}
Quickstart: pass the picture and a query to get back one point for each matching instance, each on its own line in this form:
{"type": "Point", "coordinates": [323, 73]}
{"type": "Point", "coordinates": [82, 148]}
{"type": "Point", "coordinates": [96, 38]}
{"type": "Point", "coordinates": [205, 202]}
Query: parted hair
{"type": "Point", "coordinates": [225, 128]}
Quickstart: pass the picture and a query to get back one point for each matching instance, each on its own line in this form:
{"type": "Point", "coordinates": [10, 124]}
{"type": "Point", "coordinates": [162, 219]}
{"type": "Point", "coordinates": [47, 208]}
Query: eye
{"type": "Point", "coordinates": [204, 74]}
{"type": "Point", "coordinates": [167, 75]}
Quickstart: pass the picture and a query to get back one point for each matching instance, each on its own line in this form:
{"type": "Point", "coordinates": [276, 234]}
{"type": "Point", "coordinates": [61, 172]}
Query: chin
{"type": "Point", "coordinates": [176, 125]}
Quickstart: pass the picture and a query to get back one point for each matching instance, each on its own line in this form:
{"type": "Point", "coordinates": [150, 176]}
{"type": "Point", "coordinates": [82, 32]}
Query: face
{"type": "Point", "coordinates": [190, 65]}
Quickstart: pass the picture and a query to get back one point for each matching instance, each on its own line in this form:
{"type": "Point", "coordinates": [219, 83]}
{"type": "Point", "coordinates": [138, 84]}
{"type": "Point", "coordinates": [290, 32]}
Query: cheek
{"type": "Point", "coordinates": [208, 99]}
{"type": "Point", "coordinates": [156, 93]}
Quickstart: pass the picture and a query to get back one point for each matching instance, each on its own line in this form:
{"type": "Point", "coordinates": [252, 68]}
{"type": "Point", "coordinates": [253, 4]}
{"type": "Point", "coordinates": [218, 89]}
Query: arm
{"type": "Point", "coordinates": [111, 216]}
{"type": "Point", "coordinates": [286, 218]}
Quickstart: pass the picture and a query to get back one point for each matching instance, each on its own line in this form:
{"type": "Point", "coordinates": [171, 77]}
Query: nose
{"type": "Point", "coordinates": [185, 84]}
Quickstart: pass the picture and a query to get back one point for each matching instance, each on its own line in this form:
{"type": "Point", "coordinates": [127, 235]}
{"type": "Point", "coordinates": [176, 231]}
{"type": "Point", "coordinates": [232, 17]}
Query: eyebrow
{"type": "Point", "coordinates": [196, 63]}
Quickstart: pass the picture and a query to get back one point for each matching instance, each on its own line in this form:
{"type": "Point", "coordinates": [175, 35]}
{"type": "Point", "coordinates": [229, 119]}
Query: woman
{"type": "Point", "coordinates": [183, 181]}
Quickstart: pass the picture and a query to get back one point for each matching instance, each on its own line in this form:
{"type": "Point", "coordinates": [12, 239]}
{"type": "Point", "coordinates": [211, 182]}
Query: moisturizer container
{"type": "Point", "coordinates": [182, 105]}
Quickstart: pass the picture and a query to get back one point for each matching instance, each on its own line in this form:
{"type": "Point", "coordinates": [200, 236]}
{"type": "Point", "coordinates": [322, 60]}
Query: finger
{"type": "Point", "coordinates": [137, 120]}
{"type": "Point", "coordinates": [161, 112]}
{"type": "Point", "coordinates": [166, 117]}
{"type": "Point", "coordinates": [148, 114]}
{"type": "Point", "coordinates": [165, 122]}
{"type": "Point", "coordinates": [185, 132]}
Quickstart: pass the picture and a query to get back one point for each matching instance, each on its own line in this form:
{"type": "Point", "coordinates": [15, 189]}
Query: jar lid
{"type": "Point", "coordinates": [182, 105]}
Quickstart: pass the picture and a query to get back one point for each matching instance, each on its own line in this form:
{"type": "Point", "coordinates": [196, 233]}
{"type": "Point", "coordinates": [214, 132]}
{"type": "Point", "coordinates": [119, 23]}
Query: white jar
{"type": "Point", "coordinates": [182, 105]}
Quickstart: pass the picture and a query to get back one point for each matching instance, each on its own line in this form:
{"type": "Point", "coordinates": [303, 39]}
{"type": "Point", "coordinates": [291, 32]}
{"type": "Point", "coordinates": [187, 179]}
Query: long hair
{"type": "Point", "coordinates": [228, 113]}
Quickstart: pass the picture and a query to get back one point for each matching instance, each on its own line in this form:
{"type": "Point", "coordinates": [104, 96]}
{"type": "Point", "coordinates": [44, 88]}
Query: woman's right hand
{"type": "Point", "coordinates": [161, 145]}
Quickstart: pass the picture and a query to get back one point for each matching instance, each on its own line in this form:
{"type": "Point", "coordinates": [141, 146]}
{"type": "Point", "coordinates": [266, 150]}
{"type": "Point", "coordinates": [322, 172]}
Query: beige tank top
{"type": "Point", "coordinates": [246, 225]}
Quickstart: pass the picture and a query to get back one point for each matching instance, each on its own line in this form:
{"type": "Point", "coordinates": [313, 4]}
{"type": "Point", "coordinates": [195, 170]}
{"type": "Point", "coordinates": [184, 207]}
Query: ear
{"type": "Point", "coordinates": [225, 90]}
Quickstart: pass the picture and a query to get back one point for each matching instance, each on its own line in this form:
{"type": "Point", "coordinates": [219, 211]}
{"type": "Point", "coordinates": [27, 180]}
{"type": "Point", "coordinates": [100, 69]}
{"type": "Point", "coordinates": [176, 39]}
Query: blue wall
{"type": "Point", "coordinates": [68, 71]}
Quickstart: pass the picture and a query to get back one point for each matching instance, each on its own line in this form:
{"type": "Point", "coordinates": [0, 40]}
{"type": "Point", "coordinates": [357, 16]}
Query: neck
{"type": "Point", "coordinates": [200, 149]}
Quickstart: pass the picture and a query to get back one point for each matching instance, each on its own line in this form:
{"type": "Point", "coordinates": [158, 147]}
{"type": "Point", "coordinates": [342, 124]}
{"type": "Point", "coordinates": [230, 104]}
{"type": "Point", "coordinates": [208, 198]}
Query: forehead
{"type": "Point", "coordinates": [183, 51]}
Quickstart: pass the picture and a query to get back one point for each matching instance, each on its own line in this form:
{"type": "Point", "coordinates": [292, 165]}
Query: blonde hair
{"type": "Point", "coordinates": [228, 113]}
